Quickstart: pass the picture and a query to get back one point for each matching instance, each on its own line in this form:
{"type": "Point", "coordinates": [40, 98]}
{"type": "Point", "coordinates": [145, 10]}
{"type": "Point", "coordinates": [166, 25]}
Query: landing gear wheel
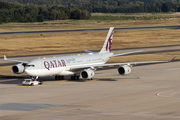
{"type": "Point", "coordinates": [72, 77]}
{"type": "Point", "coordinates": [56, 77]}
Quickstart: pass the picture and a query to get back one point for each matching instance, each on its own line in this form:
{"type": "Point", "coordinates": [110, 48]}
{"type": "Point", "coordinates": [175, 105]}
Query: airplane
{"type": "Point", "coordinates": [78, 66]}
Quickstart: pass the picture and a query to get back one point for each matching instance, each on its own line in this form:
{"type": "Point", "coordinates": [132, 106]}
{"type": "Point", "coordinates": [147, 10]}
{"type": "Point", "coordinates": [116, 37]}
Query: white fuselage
{"type": "Point", "coordinates": [62, 65]}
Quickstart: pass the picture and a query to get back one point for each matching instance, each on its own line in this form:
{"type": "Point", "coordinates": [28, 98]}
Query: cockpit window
{"type": "Point", "coordinates": [30, 65]}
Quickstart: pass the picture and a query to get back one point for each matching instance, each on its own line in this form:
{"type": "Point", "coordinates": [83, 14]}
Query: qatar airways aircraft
{"type": "Point", "coordinates": [83, 66]}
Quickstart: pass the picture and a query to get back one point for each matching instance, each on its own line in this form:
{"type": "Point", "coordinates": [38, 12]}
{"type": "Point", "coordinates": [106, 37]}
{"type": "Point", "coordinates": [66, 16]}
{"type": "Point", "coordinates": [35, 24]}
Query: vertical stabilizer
{"type": "Point", "coordinates": [108, 42]}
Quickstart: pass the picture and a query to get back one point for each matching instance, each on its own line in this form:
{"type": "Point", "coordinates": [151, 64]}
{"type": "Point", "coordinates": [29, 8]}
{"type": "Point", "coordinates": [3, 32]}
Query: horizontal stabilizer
{"type": "Point", "coordinates": [90, 52]}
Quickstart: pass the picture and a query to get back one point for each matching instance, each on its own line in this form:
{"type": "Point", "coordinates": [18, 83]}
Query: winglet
{"type": "Point", "coordinates": [5, 58]}
{"type": "Point", "coordinates": [19, 61]}
{"type": "Point", "coordinates": [172, 59]}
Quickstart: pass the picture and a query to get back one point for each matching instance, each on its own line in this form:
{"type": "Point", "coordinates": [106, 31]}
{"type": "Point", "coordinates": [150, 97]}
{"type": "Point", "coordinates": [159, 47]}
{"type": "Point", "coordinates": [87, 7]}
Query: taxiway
{"type": "Point", "coordinates": [89, 30]}
{"type": "Point", "coordinates": [150, 92]}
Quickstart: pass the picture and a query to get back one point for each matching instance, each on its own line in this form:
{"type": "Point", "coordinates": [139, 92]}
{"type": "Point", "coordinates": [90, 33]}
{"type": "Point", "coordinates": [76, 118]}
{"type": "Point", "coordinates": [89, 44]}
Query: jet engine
{"type": "Point", "coordinates": [124, 70]}
{"type": "Point", "coordinates": [87, 74]}
{"type": "Point", "coordinates": [17, 69]}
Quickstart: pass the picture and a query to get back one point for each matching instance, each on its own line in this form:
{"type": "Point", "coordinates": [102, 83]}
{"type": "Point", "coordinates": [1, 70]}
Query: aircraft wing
{"type": "Point", "coordinates": [115, 64]}
{"type": "Point", "coordinates": [5, 58]}
{"type": "Point", "coordinates": [135, 63]}
{"type": "Point", "coordinates": [115, 54]}
{"type": "Point", "coordinates": [126, 53]}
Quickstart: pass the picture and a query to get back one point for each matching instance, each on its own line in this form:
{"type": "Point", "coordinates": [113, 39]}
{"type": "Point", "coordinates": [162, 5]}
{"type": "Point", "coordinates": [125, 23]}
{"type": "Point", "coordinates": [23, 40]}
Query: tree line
{"type": "Point", "coordinates": [80, 2]}
{"type": "Point", "coordinates": [30, 13]}
{"type": "Point", "coordinates": [40, 10]}
{"type": "Point", "coordinates": [135, 6]}
{"type": "Point", "coordinates": [109, 6]}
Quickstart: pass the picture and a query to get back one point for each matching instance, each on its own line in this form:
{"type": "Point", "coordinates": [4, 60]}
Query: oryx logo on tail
{"type": "Point", "coordinates": [108, 42]}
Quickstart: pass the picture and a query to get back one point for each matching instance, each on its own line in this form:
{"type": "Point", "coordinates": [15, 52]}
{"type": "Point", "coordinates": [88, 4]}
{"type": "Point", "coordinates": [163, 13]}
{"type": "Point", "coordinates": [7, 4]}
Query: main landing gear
{"type": "Point", "coordinates": [58, 77]}
{"type": "Point", "coordinates": [75, 77]}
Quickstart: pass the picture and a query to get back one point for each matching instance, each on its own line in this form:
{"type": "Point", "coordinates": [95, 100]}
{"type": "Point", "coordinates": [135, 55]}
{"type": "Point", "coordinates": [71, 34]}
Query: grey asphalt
{"type": "Point", "coordinates": [25, 106]}
{"type": "Point", "coordinates": [89, 30]}
{"type": "Point", "coordinates": [148, 93]}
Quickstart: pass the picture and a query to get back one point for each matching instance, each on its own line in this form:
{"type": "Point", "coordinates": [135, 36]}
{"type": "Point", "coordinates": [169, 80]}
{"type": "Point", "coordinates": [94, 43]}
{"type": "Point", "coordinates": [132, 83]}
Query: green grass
{"type": "Point", "coordinates": [133, 16]}
{"type": "Point", "coordinates": [121, 18]}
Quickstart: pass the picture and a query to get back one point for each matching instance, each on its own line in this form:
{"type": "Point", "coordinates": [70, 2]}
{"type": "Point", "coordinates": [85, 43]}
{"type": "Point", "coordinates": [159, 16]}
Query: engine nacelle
{"type": "Point", "coordinates": [87, 74]}
{"type": "Point", "coordinates": [17, 69]}
{"type": "Point", "coordinates": [124, 70]}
